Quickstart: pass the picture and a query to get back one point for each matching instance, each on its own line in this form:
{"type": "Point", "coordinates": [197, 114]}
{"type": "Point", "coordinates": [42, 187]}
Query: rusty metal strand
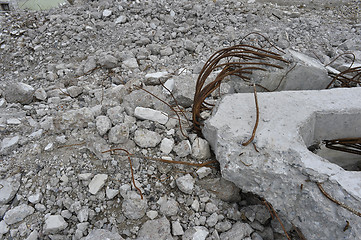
{"type": "Point", "coordinates": [257, 118]}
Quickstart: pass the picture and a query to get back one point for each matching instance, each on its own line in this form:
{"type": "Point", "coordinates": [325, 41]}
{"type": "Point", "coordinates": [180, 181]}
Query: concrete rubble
{"type": "Point", "coordinates": [70, 89]}
{"type": "Point", "coordinates": [282, 162]}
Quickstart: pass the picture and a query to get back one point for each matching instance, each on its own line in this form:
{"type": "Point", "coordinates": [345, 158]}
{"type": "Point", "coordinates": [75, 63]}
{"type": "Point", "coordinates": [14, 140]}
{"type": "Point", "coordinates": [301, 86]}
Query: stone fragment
{"type": "Point", "coordinates": [167, 145]}
{"type": "Point", "coordinates": [17, 214]}
{"type": "Point", "coordinates": [98, 234]}
{"type": "Point", "coordinates": [152, 214]}
{"type": "Point", "coordinates": [131, 63]}
{"type": "Point", "coordinates": [203, 172]}
{"type": "Point", "coordinates": [7, 144]}
{"type": "Point", "coordinates": [154, 78]}
{"type": "Point", "coordinates": [225, 190]}
{"type": "Point", "coordinates": [97, 183]}
{"type": "Point", "coordinates": [75, 119]}
{"type": "Point", "coordinates": [145, 138]}
{"type": "Point", "coordinates": [177, 228]}
{"type": "Point", "coordinates": [121, 19]}
{"type": "Point", "coordinates": [2, 103]}
{"type": "Point", "coordinates": [200, 149]}
{"type": "Point", "coordinates": [183, 91]}
{"type": "Point", "coordinates": [83, 214]}
{"type": "Point", "coordinates": [239, 231]}
{"type": "Point", "coordinates": [168, 85]}
{"type": "Point", "coordinates": [212, 220]}
{"type": "Point", "coordinates": [103, 124]}
{"type": "Point", "coordinates": [90, 64]}
{"type": "Point", "coordinates": [9, 188]}
{"type": "Point", "coordinates": [4, 228]}
{"type": "Point", "coordinates": [108, 61]}
{"type": "Point", "coordinates": [167, 51]}
{"type": "Point", "coordinates": [183, 148]}
{"type": "Point", "coordinates": [107, 13]}
{"type": "Point", "coordinates": [19, 93]}
{"type": "Point", "coordinates": [116, 114]}
{"type": "Point", "coordinates": [111, 193]}
{"type": "Point", "coordinates": [35, 198]}
{"type": "Point", "coordinates": [197, 232]}
{"type": "Point", "coordinates": [285, 132]}
{"type": "Point", "coordinates": [185, 183]}
{"type": "Point", "coordinates": [223, 226]}
{"type": "Point", "coordinates": [74, 91]}
{"type": "Point", "coordinates": [54, 224]}
{"type": "Point", "coordinates": [151, 114]}
{"type": "Point", "coordinates": [155, 229]}
{"type": "Point", "coordinates": [40, 94]}
{"type": "Point", "coordinates": [119, 133]}
{"type": "Point", "coordinates": [133, 206]}
{"type": "Point", "coordinates": [169, 208]}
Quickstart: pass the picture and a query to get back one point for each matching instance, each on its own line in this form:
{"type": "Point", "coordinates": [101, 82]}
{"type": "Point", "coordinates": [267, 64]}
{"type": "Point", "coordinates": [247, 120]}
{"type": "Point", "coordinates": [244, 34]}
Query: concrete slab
{"type": "Point", "coordinates": [284, 171]}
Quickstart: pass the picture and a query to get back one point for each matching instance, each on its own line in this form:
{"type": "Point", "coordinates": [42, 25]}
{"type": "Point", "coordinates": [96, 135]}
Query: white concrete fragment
{"type": "Point", "coordinates": [185, 183]}
{"type": "Point", "coordinates": [8, 143]}
{"type": "Point", "coordinates": [133, 206]}
{"type": "Point", "coordinates": [9, 188]}
{"type": "Point", "coordinates": [17, 214]}
{"type": "Point", "coordinates": [102, 234]}
{"type": "Point", "coordinates": [200, 149]}
{"type": "Point", "coordinates": [151, 114]}
{"type": "Point", "coordinates": [54, 224]}
{"type": "Point", "coordinates": [197, 232]}
{"type": "Point", "coordinates": [169, 84]}
{"type": "Point", "coordinates": [4, 228]}
{"type": "Point", "coordinates": [103, 124]}
{"type": "Point", "coordinates": [289, 123]}
{"type": "Point", "coordinates": [145, 138]}
{"type": "Point", "coordinates": [183, 148]}
{"type": "Point", "coordinates": [177, 229]}
{"type": "Point", "coordinates": [203, 172]}
{"type": "Point", "coordinates": [107, 13]}
{"type": "Point", "coordinates": [153, 78]}
{"type": "Point", "coordinates": [166, 145]}
{"type": "Point", "coordinates": [131, 63]}
{"type": "Point", "coordinates": [119, 133]}
{"type": "Point", "coordinates": [152, 214]}
{"type": "Point", "coordinates": [97, 183]}
{"type": "Point", "coordinates": [111, 193]}
{"type": "Point", "coordinates": [40, 94]}
{"type": "Point", "coordinates": [121, 19]}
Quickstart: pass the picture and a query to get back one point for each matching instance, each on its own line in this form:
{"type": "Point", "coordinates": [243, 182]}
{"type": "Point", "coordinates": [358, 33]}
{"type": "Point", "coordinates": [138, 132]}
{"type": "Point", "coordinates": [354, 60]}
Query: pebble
{"type": "Point", "coordinates": [152, 214]}
{"type": "Point", "coordinates": [54, 224]}
{"type": "Point", "coordinates": [98, 234]}
{"type": "Point", "coordinates": [200, 149]}
{"type": "Point", "coordinates": [133, 206]}
{"type": "Point", "coordinates": [151, 114]}
{"type": "Point", "coordinates": [103, 124]}
{"type": "Point", "coordinates": [169, 208]}
{"type": "Point", "coordinates": [155, 229]}
{"type": "Point", "coordinates": [119, 133]}
{"type": "Point", "coordinates": [197, 232]}
{"type": "Point", "coordinates": [19, 93]}
{"type": "Point", "coordinates": [203, 172]}
{"type": "Point", "coordinates": [154, 78]}
{"type": "Point", "coordinates": [111, 193]}
{"type": "Point", "coordinates": [35, 198]}
{"type": "Point", "coordinates": [108, 61]}
{"type": "Point", "coordinates": [131, 63]}
{"type": "Point", "coordinates": [40, 94]}
{"type": "Point", "coordinates": [4, 228]}
{"type": "Point", "coordinates": [183, 148]}
{"type": "Point", "coordinates": [186, 183]}
{"type": "Point", "coordinates": [239, 230]}
{"type": "Point", "coordinates": [97, 183]}
{"type": "Point", "coordinates": [74, 91]}
{"type": "Point", "coordinates": [107, 13]}
{"type": "Point", "coordinates": [166, 145]}
{"type": "Point", "coordinates": [9, 188]}
{"type": "Point", "coordinates": [145, 138]}
{"type": "Point", "coordinates": [17, 214]}
{"type": "Point", "coordinates": [177, 228]}
{"type": "Point", "coordinates": [9, 143]}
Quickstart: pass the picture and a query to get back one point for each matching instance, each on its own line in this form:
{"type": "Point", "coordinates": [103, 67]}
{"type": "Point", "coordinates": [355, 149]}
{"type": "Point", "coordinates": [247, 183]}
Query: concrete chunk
{"type": "Point", "coordinates": [151, 114]}
{"type": "Point", "coordinates": [289, 123]}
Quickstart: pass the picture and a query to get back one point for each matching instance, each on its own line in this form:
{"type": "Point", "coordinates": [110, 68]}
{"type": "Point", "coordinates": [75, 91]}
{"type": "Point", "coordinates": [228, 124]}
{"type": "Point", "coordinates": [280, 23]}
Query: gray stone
{"type": "Point", "coordinates": [75, 119]}
{"type": "Point", "coordinates": [155, 229]}
{"type": "Point", "coordinates": [74, 91]}
{"type": "Point", "coordinates": [108, 61]}
{"type": "Point", "coordinates": [284, 162]}
{"type": "Point", "coordinates": [17, 214]}
{"type": "Point", "coordinates": [183, 148]}
{"type": "Point", "coordinates": [225, 190]}
{"type": "Point", "coordinates": [4, 228]}
{"type": "Point", "coordinates": [167, 51]}
{"type": "Point", "coordinates": [35, 198]}
{"type": "Point", "coordinates": [200, 149]}
{"type": "Point", "coordinates": [111, 193]}
{"type": "Point", "coordinates": [152, 214]}
{"type": "Point", "coordinates": [40, 94]}
{"type": "Point", "coordinates": [107, 13]}
{"type": "Point", "coordinates": [169, 208]}
{"type": "Point", "coordinates": [203, 172]}
{"type": "Point", "coordinates": [212, 220]}
{"type": "Point", "coordinates": [186, 183]}
{"type": "Point", "coordinates": [151, 114]}
{"type": "Point", "coordinates": [19, 93]}
{"type": "Point", "coordinates": [121, 19]}
{"type": "Point", "coordinates": [103, 124]}
{"type": "Point", "coordinates": [223, 226]}
{"type": "Point", "coordinates": [131, 63]}
{"type": "Point", "coordinates": [83, 215]}
{"type": "Point", "coordinates": [197, 232]}
{"type": "Point", "coordinates": [54, 224]}
{"type": "Point", "coordinates": [9, 188]}
{"type": "Point", "coordinates": [7, 144]}
{"type": "Point", "coordinates": [145, 138]}
{"type": "Point", "coordinates": [119, 133]}
{"type": "Point", "coordinates": [116, 114]}
{"type": "Point", "coordinates": [184, 88]}
{"type": "Point", "coordinates": [238, 232]}
{"type": "Point", "coordinates": [90, 64]}
{"type": "Point", "coordinates": [177, 229]}
{"type": "Point", "coordinates": [98, 234]}
{"type": "Point", "coordinates": [34, 235]}
{"type": "Point", "coordinates": [167, 145]}
{"type": "Point", "coordinates": [154, 78]}
{"type": "Point", "coordinates": [133, 206]}
{"type": "Point", "coordinates": [97, 183]}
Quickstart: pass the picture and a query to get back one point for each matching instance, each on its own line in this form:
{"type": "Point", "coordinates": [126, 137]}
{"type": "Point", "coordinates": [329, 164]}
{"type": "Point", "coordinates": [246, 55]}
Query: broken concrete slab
{"type": "Point", "coordinates": [283, 170]}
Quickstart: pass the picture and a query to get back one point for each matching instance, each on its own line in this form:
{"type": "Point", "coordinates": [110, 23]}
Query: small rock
{"type": "Point", "coordinates": [34, 235]}
{"type": "Point", "coordinates": [107, 13]}
{"type": "Point", "coordinates": [238, 231]}
{"type": "Point", "coordinates": [203, 172]}
{"type": "Point", "coordinates": [186, 183]}
{"type": "Point", "coordinates": [9, 188]}
{"type": "Point", "coordinates": [155, 229]}
{"type": "Point", "coordinates": [167, 51]}
{"type": "Point", "coordinates": [145, 138]}
{"type": "Point", "coordinates": [99, 234]}
{"type": "Point", "coordinates": [13, 121]}
{"type": "Point", "coordinates": [97, 183]}
{"type": "Point", "coordinates": [225, 190]}
{"type": "Point", "coordinates": [17, 214]}
{"type": "Point", "coordinates": [212, 220]}
{"type": "Point", "coordinates": [195, 205]}
{"type": "Point", "coordinates": [152, 214]}
{"type": "Point", "coordinates": [131, 63]}
{"type": "Point", "coordinates": [211, 207]}
{"type": "Point", "coordinates": [19, 93]}
{"type": "Point", "coordinates": [154, 78]}
{"type": "Point", "coordinates": [177, 229]}
{"type": "Point", "coordinates": [54, 224]}
{"type": "Point", "coordinates": [35, 198]}
{"type": "Point", "coordinates": [49, 147]}
{"type": "Point", "coordinates": [111, 193]}
{"type": "Point", "coordinates": [83, 215]}
{"type": "Point", "coordinates": [200, 149]}
{"type": "Point", "coordinates": [84, 176]}
{"type": "Point", "coordinates": [40, 94]}
{"type": "Point", "coordinates": [166, 145]}
{"type": "Point", "coordinates": [4, 228]}
{"type": "Point", "coordinates": [169, 208]}
{"type": "Point", "coordinates": [119, 133]}
{"type": "Point", "coordinates": [223, 226]}
{"type": "Point", "coordinates": [116, 114]}
{"type": "Point", "coordinates": [8, 143]}
{"type": "Point", "coordinates": [108, 61]}
{"type": "Point", "coordinates": [121, 19]}
{"type": "Point", "coordinates": [151, 114]}
{"type": "Point", "coordinates": [183, 148]}
{"type": "Point", "coordinates": [103, 124]}
{"type": "Point", "coordinates": [169, 84]}
{"type": "Point", "coordinates": [2, 103]}
{"type": "Point", "coordinates": [197, 232]}
{"type": "Point", "coordinates": [74, 91]}
{"type": "Point", "coordinates": [133, 206]}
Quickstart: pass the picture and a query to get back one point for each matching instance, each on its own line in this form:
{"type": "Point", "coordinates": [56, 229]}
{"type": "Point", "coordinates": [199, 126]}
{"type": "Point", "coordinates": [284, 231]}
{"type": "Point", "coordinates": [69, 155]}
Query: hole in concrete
{"type": "Point", "coordinates": [4, 6]}
{"type": "Point", "coordinates": [327, 126]}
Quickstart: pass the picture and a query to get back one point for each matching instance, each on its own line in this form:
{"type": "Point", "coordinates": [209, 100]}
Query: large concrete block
{"type": "Point", "coordinates": [284, 171]}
